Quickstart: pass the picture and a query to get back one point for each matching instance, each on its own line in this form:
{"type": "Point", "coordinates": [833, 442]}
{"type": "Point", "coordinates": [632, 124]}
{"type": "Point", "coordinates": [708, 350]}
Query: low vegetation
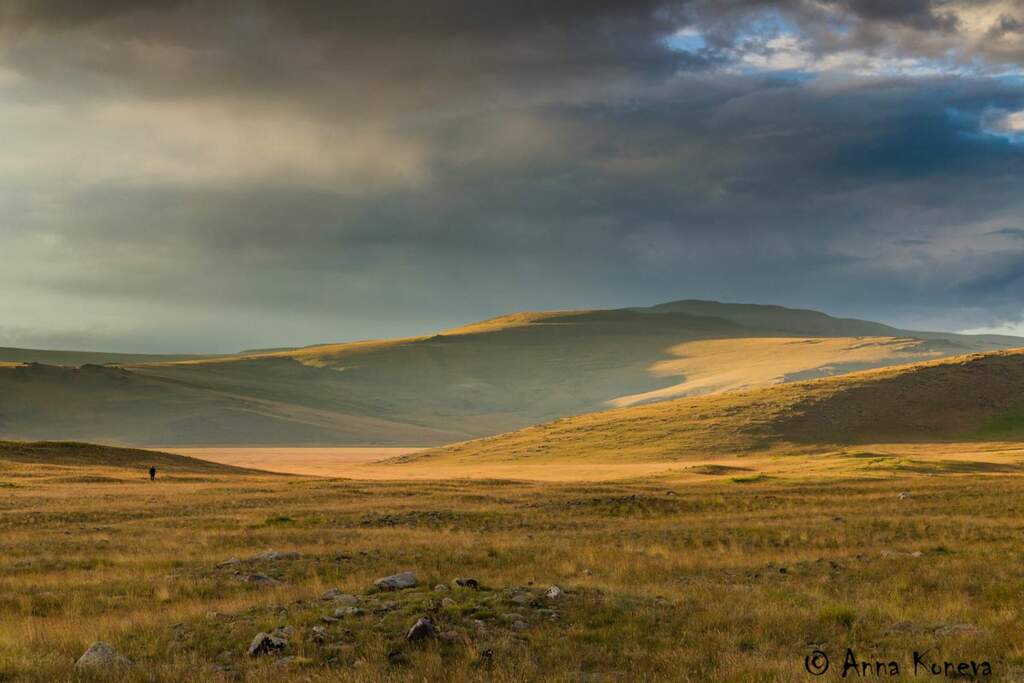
{"type": "Point", "coordinates": [718, 574]}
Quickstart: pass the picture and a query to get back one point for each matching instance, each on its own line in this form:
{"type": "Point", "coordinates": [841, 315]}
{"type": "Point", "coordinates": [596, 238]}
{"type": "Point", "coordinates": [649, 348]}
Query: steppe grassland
{"type": "Point", "coordinates": [726, 574]}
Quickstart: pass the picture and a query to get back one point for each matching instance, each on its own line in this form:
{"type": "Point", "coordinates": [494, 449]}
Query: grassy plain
{"type": "Point", "coordinates": [723, 571]}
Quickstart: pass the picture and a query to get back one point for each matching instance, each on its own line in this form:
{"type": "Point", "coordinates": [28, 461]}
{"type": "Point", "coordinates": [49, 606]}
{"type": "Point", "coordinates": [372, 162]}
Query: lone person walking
{"type": "Point", "coordinates": [152, 474]}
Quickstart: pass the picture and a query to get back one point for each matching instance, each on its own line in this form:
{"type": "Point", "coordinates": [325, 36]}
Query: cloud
{"type": "Point", "coordinates": [208, 176]}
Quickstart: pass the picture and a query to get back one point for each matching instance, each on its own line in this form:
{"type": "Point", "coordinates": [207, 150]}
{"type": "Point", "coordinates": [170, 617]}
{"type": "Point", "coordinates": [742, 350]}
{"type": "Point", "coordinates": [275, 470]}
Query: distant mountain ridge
{"type": "Point", "coordinates": [485, 378]}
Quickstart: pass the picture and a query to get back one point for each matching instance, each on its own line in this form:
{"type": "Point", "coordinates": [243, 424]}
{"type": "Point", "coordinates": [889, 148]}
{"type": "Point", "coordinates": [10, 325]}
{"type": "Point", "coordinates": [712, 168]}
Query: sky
{"type": "Point", "coordinates": [207, 176]}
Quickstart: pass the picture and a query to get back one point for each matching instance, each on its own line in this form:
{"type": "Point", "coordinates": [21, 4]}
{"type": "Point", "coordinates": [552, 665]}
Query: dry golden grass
{"type": "Point", "coordinates": [717, 365]}
{"type": "Point", "coordinates": [953, 399]}
{"type": "Point", "coordinates": [723, 573]}
{"type": "Point", "coordinates": [320, 462]}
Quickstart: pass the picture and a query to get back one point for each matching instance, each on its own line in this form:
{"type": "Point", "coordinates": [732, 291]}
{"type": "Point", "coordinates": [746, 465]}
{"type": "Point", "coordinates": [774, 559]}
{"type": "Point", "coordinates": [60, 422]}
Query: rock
{"type": "Point", "coordinates": [335, 595]}
{"type": "Point", "coordinates": [520, 625]}
{"type": "Point", "coordinates": [448, 602]}
{"type": "Point", "coordinates": [396, 581]}
{"type": "Point", "coordinates": [397, 658]}
{"type": "Point", "coordinates": [523, 599]}
{"type": "Point", "coordinates": [904, 495]}
{"type": "Point", "coordinates": [349, 611]}
{"type": "Point", "coordinates": [384, 607]}
{"type": "Point", "coordinates": [440, 588]}
{"type": "Point", "coordinates": [328, 619]}
{"type": "Point", "coordinates": [274, 555]}
{"type": "Point", "coordinates": [955, 629]}
{"type": "Point", "coordinates": [422, 629]}
{"type": "Point", "coordinates": [229, 563]}
{"type": "Point", "coordinates": [100, 655]}
{"type": "Point", "coordinates": [285, 632]}
{"type": "Point", "coordinates": [453, 638]}
{"type": "Point", "coordinates": [266, 644]}
{"type": "Point", "coordinates": [554, 593]}
{"type": "Point", "coordinates": [466, 582]}
{"type": "Point", "coordinates": [587, 572]}
{"type": "Point", "coordinates": [917, 553]}
{"type": "Point", "coordinates": [261, 580]}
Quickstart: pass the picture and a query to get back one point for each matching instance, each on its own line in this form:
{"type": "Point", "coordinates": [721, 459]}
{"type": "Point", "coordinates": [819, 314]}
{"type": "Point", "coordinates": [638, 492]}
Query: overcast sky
{"type": "Point", "coordinates": [209, 176]}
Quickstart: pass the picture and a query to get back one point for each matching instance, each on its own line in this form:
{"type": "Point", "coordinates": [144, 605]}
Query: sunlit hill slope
{"type": "Point", "coordinates": [485, 378]}
{"type": "Point", "coordinates": [976, 397]}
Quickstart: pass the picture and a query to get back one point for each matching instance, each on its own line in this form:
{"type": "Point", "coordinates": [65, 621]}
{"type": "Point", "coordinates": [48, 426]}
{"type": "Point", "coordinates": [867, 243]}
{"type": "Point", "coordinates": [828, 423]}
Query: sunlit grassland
{"type": "Point", "coordinates": [721, 574]}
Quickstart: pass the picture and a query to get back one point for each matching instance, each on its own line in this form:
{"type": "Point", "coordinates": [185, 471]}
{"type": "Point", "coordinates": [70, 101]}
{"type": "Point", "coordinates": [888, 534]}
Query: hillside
{"type": "Point", "coordinates": [485, 378]}
{"type": "Point", "coordinates": [968, 397]}
{"type": "Point", "coordinates": [77, 358]}
{"type": "Point", "coordinates": [77, 455]}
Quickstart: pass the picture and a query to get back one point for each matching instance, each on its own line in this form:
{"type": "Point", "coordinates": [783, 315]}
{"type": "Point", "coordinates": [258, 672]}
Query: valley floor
{"type": "Point", "coordinates": [715, 574]}
{"type": "Point", "coordinates": [381, 463]}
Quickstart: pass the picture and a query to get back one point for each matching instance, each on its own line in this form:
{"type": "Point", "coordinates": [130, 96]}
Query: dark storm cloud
{"type": "Point", "coordinates": [266, 173]}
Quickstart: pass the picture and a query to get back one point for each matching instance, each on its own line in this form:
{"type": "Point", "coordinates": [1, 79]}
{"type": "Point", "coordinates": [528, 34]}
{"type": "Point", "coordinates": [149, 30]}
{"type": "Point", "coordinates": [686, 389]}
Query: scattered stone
{"type": "Point", "coordinates": [266, 644]}
{"type": "Point", "coordinates": [396, 581]}
{"type": "Point", "coordinates": [234, 561]}
{"type": "Point", "coordinates": [385, 607]}
{"type": "Point", "coordinates": [100, 655]}
{"type": "Point", "coordinates": [274, 555]}
{"type": "Point", "coordinates": [521, 598]}
{"type": "Point", "coordinates": [261, 580]}
{"type": "Point", "coordinates": [520, 625]}
{"type": "Point", "coordinates": [331, 594]}
{"type": "Point", "coordinates": [285, 632]}
{"type": "Point", "coordinates": [319, 634]}
{"type": "Point", "coordinates": [349, 611]}
{"type": "Point", "coordinates": [554, 593]}
{"type": "Point", "coordinates": [422, 629]}
{"type": "Point", "coordinates": [397, 658]}
{"type": "Point", "coordinates": [917, 553]}
{"type": "Point", "coordinates": [955, 629]}
{"type": "Point", "coordinates": [453, 638]}
{"type": "Point", "coordinates": [440, 588]}
{"type": "Point", "coordinates": [328, 619]}
{"type": "Point", "coordinates": [670, 493]}
{"type": "Point", "coordinates": [343, 598]}
{"type": "Point", "coordinates": [448, 602]}
{"type": "Point", "coordinates": [904, 495]}
{"type": "Point", "coordinates": [466, 582]}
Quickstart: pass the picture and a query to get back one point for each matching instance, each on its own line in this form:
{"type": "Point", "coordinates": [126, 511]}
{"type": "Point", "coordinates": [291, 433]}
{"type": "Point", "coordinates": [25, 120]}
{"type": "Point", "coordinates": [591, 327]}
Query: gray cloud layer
{"type": "Point", "coordinates": [212, 175]}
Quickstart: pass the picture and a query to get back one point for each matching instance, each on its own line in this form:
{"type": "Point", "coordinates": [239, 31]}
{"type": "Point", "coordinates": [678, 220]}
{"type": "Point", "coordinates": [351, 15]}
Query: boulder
{"type": "Point", "coordinates": [100, 655]}
{"type": "Point", "coordinates": [266, 644]}
{"type": "Point", "coordinates": [554, 593]}
{"type": "Point", "coordinates": [396, 581]}
{"type": "Point", "coordinates": [421, 630]}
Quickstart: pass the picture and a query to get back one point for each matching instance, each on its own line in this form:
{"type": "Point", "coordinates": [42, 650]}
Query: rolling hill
{"type": "Point", "coordinates": [975, 397]}
{"type": "Point", "coordinates": [489, 377]}
{"type": "Point", "coordinates": [58, 455]}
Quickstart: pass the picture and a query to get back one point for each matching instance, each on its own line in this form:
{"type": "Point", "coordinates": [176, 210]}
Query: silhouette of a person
{"type": "Point", "coordinates": [152, 474]}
